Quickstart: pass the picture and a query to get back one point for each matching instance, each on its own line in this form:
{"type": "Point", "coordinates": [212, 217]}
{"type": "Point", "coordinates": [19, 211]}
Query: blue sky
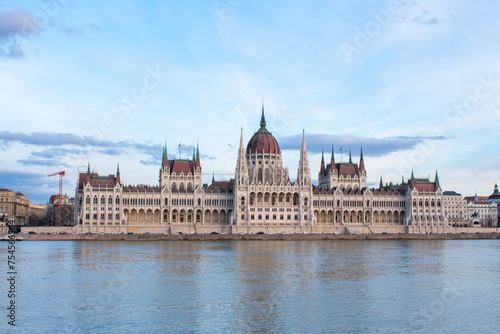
{"type": "Point", "coordinates": [417, 83]}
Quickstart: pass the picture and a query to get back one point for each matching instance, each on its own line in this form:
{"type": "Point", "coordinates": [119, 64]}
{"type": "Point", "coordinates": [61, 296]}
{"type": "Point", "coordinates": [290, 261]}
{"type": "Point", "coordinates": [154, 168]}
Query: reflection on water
{"type": "Point", "coordinates": [258, 286]}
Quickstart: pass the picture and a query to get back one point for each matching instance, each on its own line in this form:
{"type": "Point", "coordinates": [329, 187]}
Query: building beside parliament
{"type": "Point", "coordinates": [260, 197]}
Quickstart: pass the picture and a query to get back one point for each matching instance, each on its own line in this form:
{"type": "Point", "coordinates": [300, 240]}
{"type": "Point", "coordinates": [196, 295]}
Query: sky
{"type": "Point", "coordinates": [415, 83]}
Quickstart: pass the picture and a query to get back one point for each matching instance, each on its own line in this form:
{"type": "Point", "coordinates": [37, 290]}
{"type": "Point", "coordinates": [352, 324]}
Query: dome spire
{"type": "Point", "coordinates": [262, 118]}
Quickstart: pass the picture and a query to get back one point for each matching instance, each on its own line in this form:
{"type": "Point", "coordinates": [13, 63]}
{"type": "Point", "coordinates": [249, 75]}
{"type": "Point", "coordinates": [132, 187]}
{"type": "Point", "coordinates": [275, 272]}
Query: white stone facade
{"type": "Point", "coordinates": [260, 198]}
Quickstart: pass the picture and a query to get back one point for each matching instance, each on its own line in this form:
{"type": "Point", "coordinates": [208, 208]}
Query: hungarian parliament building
{"type": "Point", "coordinates": [260, 198]}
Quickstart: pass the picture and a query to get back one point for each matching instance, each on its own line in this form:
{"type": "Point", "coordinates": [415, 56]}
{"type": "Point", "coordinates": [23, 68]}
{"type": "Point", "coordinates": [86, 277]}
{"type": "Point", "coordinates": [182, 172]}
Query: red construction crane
{"type": "Point", "coordinates": [61, 175]}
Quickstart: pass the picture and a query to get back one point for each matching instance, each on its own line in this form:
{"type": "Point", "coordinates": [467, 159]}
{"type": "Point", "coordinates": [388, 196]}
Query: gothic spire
{"type": "Point", "coordinates": [241, 163]}
{"type": "Point", "coordinates": [322, 169]}
{"type": "Point", "coordinates": [412, 176]}
{"type": "Point", "coordinates": [118, 169]}
{"type": "Point", "coordinates": [197, 157]}
{"type": "Point", "coordinates": [303, 173]}
{"type": "Point", "coordinates": [262, 118]}
{"type": "Point", "coordinates": [164, 159]}
{"type": "Point", "coordinates": [88, 168]}
{"type": "Point", "coordinates": [332, 160]}
{"type": "Point", "coordinates": [361, 161]}
{"type": "Point", "coordinates": [350, 158]}
{"type": "Point", "coordinates": [436, 180]}
{"type": "Point", "coordinates": [381, 185]}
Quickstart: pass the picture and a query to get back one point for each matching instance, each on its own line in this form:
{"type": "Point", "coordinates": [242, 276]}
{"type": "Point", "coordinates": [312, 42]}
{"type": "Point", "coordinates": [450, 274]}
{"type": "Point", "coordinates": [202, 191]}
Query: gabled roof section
{"type": "Point", "coordinates": [97, 181]}
{"type": "Point", "coordinates": [220, 187]}
{"type": "Point", "coordinates": [182, 166]}
{"type": "Point", "coordinates": [142, 188]}
{"type": "Point", "coordinates": [347, 169]}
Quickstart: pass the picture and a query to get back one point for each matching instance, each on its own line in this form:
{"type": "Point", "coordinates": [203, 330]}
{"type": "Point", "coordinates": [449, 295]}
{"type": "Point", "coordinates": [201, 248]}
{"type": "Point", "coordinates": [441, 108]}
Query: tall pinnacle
{"type": "Point", "coordinates": [88, 168]}
{"type": "Point", "coordinates": [361, 161]}
{"type": "Point", "coordinates": [262, 118]}
{"type": "Point", "coordinates": [322, 168]}
{"type": "Point", "coordinates": [332, 160]}
{"type": "Point", "coordinates": [303, 148]}
{"type": "Point", "coordinates": [242, 144]}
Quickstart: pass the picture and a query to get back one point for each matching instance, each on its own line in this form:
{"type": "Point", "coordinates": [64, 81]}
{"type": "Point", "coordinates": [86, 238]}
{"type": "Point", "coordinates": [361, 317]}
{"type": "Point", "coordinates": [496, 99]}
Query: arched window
{"type": "Point", "coordinates": [305, 201]}
{"type": "Point", "coordinates": [243, 200]}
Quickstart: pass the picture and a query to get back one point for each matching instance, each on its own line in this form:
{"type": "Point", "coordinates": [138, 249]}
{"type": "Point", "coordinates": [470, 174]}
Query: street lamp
{"type": "Point", "coordinates": [4, 217]}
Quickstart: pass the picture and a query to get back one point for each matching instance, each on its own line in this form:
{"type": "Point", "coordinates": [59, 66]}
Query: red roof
{"type": "Point", "coordinates": [183, 166]}
{"type": "Point", "coordinates": [97, 181]}
{"type": "Point", "coordinates": [345, 169]}
{"type": "Point", "coordinates": [429, 187]}
{"type": "Point", "coordinates": [221, 186]}
{"type": "Point", "coordinates": [263, 142]}
{"type": "Point", "coordinates": [141, 188]}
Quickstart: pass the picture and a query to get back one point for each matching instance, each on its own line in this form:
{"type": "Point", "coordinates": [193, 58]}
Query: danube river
{"type": "Point", "coordinates": [323, 286]}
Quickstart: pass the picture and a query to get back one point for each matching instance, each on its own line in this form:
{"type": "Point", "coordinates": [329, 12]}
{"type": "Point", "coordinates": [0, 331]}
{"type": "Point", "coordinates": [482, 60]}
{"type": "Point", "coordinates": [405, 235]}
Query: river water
{"type": "Point", "coordinates": [330, 286]}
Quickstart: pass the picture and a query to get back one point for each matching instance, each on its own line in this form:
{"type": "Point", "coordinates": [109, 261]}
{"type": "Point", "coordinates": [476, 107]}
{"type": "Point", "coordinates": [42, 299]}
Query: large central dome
{"type": "Point", "coordinates": [263, 141]}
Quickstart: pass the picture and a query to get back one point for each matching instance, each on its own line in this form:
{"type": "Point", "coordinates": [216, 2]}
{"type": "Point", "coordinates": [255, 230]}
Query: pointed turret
{"type": "Point", "coordinates": [213, 177]}
{"type": "Point", "coordinates": [412, 176]}
{"type": "Point", "coordinates": [197, 163]}
{"type": "Point", "coordinates": [241, 162]}
{"type": "Point", "coordinates": [350, 158]}
{"type": "Point", "coordinates": [303, 173]}
{"type": "Point", "coordinates": [436, 181]}
{"type": "Point", "coordinates": [118, 174]}
{"type": "Point", "coordinates": [88, 168]}
{"type": "Point", "coordinates": [262, 118]}
{"type": "Point", "coordinates": [361, 161]}
{"type": "Point", "coordinates": [332, 160]}
{"type": "Point", "coordinates": [381, 185]}
{"type": "Point", "coordinates": [322, 168]}
{"type": "Point", "coordinates": [164, 159]}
